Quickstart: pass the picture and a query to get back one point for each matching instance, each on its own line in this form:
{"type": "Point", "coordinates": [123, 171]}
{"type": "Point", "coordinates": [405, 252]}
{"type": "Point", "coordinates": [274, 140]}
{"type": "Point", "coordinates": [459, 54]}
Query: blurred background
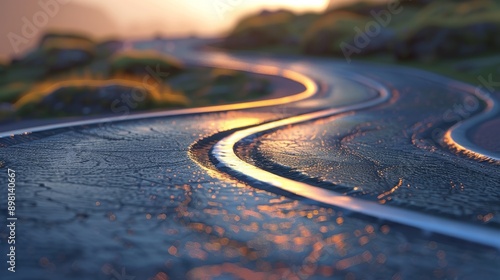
{"type": "Point", "coordinates": [68, 57]}
{"type": "Point", "coordinates": [134, 19]}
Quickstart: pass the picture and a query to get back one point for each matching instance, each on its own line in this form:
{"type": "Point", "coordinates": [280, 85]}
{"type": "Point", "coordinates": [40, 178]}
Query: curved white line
{"type": "Point", "coordinates": [225, 154]}
{"type": "Point", "coordinates": [310, 85]}
{"type": "Point", "coordinates": [456, 136]}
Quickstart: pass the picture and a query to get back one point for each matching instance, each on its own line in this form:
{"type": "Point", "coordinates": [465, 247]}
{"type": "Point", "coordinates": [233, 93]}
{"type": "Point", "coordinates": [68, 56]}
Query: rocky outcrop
{"type": "Point", "coordinates": [87, 100]}
{"type": "Point", "coordinates": [58, 52]}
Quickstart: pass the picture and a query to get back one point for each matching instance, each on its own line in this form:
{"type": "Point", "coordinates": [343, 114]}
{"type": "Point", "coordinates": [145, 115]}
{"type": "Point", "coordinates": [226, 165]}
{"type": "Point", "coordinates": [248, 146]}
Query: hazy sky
{"type": "Point", "coordinates": [191, 16]}
{"type": "Point", "coordinates": [129, 18]}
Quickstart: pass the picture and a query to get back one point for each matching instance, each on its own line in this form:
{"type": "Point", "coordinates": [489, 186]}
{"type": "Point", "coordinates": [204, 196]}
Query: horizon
{"type": "Point", "coordinates": [114, 18]}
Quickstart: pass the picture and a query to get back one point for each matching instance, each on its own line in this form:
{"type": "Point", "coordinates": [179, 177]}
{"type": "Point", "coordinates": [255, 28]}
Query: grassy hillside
{"type": "Point", "coordinates": [444, 36]}
{"type": "Point", "coordinates": [72, 75]}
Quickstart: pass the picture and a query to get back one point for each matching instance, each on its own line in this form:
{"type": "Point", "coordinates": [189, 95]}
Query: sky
{"type": "Point", "coordinates": [24, 21]}
{"type": "Point", "coordinates": [180, 17]}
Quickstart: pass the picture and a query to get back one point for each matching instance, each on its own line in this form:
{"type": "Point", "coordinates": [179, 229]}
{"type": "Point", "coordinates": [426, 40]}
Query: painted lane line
{"type": "Point", "coordinates": [224, 152]}
{"type": "Point", "coordinates": [456, 136]}
{"type": "Point", "coordinates": [310, 85]}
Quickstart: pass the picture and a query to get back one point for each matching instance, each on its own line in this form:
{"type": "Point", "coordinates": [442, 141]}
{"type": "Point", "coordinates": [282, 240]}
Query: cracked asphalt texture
{"type": "Point", "coordinates": [130, 200]}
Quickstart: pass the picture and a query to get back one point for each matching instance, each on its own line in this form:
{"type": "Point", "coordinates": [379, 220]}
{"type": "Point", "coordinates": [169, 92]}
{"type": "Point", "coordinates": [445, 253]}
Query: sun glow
{"type": "Point", "coordinates": [149, 17]}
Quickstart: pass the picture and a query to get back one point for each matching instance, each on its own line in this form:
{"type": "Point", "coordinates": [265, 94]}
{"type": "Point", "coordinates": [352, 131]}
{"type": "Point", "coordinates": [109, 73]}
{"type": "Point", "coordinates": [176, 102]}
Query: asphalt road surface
{"type": "Point", "coordinates": [366, 174]}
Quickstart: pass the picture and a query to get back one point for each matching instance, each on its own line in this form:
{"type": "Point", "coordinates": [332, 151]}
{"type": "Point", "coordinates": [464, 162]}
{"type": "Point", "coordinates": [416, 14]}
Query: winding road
{"type": "Point", "coordinates": [367, 173]}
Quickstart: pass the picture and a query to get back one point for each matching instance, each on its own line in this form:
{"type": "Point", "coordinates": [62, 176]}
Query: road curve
{"type": "Point", "coordinates": [457, 136]}
{"type": "Point", "coordinates": [310, 85]}
{"type": "Point", "coordinates": [124, 194]}
{"type": "Point", "coordinates": [224, 152]}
